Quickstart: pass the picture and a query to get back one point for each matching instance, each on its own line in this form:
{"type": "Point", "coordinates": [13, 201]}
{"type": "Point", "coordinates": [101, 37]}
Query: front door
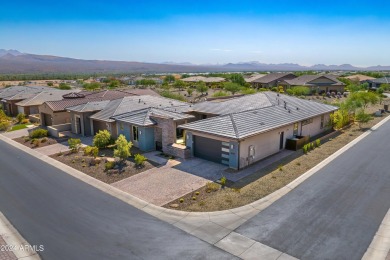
{"type": "Point", "coordinates": [134, 134]}
{"type": "Point", "coordinates": [281, 140]}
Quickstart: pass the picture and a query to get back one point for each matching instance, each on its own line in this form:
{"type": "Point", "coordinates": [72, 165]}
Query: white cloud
{"type": "Point", "coordinates": [225, 50]}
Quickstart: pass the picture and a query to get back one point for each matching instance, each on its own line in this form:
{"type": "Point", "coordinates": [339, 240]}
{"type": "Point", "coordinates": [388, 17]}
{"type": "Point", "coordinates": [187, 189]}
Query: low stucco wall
{"type": "Point", "coordinates": [56, 129]}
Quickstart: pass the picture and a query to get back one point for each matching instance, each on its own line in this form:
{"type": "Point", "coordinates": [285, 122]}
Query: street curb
{"type": "Point", "coordinates": [20, 247]}
{"type": "Point", "coordinates": [380, 245]}
{"type": "Point", "coordinates": [194, 222]}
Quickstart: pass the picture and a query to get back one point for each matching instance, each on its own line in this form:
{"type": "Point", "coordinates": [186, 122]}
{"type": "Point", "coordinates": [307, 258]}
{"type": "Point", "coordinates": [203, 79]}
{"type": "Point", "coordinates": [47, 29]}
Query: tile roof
{"type": "Point", "coordinates": [130, 104]}
{"type": "Point", "coordinates": [144, 117]}
{"type": "Point", "coordinates": [306, 79]}
{"type": "Point", "coordinates": [141, 92]}
{"type": "Point", "coordinates": [271, 77]}
{"type": "Point", "coordinates": [41, 97]}
{"type": "Point", "coordinates": [252, 122]}
{"type": "Point", "coordinates": [359, 77]}
{"type": "Point", "coordinates": [384, 80]}
{"type": "Point", "coordinates": [90, 106]}
{"type": "Point", "coordinates": [254, 77]}
{"type": "Point", "coordinates": [233, 105]}
{"type": "Point", "coordinates": [22, 92]}
{"type": "Point", "coordinates": [61, 105]}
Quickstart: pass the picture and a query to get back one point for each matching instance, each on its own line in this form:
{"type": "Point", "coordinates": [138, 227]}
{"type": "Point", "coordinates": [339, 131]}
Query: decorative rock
{"type": "Point", "coordinates": [110, 159]}
{"type": "Point", "coordinates": [94, 161]}
{"type": "Point", "coordinates": [113, 171]}
{"type": "Point", "coordinates": [174, 206]}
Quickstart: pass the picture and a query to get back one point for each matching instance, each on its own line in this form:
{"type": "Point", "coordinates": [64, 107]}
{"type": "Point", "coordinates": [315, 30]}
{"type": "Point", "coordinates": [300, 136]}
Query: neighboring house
{"type": "Point", "coordinates": [9, 97]}
{"type": "Point", "coordinates": [319, 83]}
{"type": "Point", "coordinates": [107, 118]}
{"type": "Point", "coordinates": [239, 138]}
{"type": "Point", "coordinates": [360, 78]}
{"type": "Point", "coordinates": [207, 80]}
{"type": "Point", "coordinates": [55, 113]}
{"type": "Point", "coordinates": [271, 80]}
{"type": "Point", "coordinates": [31, 105]}
{"type": "Point", "coordinates": [253, 77]}
{"type": "Point", "coordinates": [80, 116]}
{"type": "Point", "coordinates": [142, 91]}
{"type": "Point", "coordinates": [376, 83]}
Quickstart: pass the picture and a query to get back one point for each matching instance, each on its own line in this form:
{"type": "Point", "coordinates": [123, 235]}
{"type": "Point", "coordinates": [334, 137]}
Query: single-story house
{"type": "Point", "coordinates": [360, 78]}
{"type": "Point", "coordinates": [271, 80]}
{"type": "Point", "coordinates": [319, 83]}
{"type": "Point", "coordinates": [55, 113]}
{"type": "Point", "coordinates": [253, 77]}
{"type": "Point", "coordinates": [376, 83]}
{"type": "Point", "coordinates": [30, 106]}
{"type": "Point", "coordinates": [9, 97]}
{"type": "Point", "coordinates": [106, 119]}
{"type": "Point", "coordinates": [239, 138]}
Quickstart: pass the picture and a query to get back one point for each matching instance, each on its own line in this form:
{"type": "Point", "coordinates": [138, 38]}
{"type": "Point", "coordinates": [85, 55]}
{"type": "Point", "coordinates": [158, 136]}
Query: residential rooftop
{"type": "Point", "coordinates": [282, 111]}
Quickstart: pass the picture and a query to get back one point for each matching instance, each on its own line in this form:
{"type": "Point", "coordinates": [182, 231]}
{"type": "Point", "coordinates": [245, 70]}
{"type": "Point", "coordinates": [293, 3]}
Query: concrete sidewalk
{"type": "Point", "coordinates": [13, 245]}
{"type": "Point", "coordinates": [17, 133]}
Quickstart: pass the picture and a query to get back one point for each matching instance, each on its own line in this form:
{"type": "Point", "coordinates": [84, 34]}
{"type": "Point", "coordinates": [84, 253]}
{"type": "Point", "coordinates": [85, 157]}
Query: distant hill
{"type": "Point", "coordinates": [15, 62]}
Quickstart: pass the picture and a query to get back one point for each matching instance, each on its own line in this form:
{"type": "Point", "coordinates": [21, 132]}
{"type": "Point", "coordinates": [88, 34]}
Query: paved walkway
{"type": "Point", "coordinates": [17, 133]}
{"type": "Point", "coordinates": [162, 184]}
{"type": "Point", "coordinates": [61, 147]}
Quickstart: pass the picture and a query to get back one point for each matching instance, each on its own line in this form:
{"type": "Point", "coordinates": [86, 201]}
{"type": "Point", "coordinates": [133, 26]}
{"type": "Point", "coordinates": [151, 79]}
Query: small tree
{"type": "Point", "coordinates": [74, 144]}
{"type": "Point", "coordinates": [363, 99]}
{"type": "Point", "coordinates": [50, 84]}
{"type": "Point", "coordinates": [232, 87]}
{"type": "Point", "coordinates": [201, 87]}
{"type": "Point", "coordinates": [169, 79]}
{"type": "Point", "coordinates": [64, 86]}
{"type": "Point", "coordinates": [122, 148]}
{"type": "Point", "coordinates": [189, 91]}
{"type": "Point", "coordinates": [238, 79]}
{"type": "Point", "coordinates": [362, 118]}
{"type": "Point", "coordinates": [102, 139]}
{"type": "Point", "coordinates": [179, 84]}
{"type": "Point", "coordinates": [20, 117]}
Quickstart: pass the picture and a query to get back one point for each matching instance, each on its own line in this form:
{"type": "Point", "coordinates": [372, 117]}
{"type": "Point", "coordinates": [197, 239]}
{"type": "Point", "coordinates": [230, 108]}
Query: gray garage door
{"type": "Point", "coordinates": [98, 125]}
{"type": "Point", "coordinates": [208, 149]}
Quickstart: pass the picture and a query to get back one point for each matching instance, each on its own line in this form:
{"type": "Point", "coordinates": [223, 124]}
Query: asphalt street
{"type": "Point", "coordinates": [335, 213]}
{"type": "Point", "coordinates": [74, 220]}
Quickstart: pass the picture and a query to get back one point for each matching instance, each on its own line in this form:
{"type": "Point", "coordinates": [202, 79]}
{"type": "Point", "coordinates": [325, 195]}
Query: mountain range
{"type": "Point", "coordinates": [15, 62]}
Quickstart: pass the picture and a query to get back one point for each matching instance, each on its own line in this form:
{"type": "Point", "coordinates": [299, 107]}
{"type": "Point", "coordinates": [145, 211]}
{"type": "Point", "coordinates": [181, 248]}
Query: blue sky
{"type": "Point", "coordinates": [278, 31]}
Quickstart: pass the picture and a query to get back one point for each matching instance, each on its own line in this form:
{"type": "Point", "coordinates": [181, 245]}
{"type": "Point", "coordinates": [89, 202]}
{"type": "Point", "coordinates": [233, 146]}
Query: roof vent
{"type": "Point", "coordinates": [277, 94]}
{"type": "Point", "coordinates": [139, 100]}
{"type": "Point", "coordinates": [289, 111]}
{"type": "Point", "coordinates": [297, 108]}
{"type": "Point", "coordinates": [261, 123]}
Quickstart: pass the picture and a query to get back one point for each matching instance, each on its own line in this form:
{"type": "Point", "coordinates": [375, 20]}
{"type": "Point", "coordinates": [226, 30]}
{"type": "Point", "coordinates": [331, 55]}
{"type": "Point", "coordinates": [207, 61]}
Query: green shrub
{"type": "Point", "coordinates": [91, 150]}
{"type": "Point", "coordinates": [36, 142]}
{"type": "Point", "coordinates": [194, 198]}
{"type": "Point", "coordinates": [299, 91]}
{"type": "Point", "coordinates": [220, 94]}
{"type": "Point", "coordinates": [25, 121]}
{"type": "Point", "coordinates": [274, 89]}
{"type": "Point", "coordinates": [318, 142]}
{"type": "Point", "coordinates": [262, 89]}
{"type": "Point", "coordinates": [139, 159]}
{"type": "Point", "coordinates": [38, 133]}
{"type": "Point", "coordinates": [312, 146]}
{"type": "Point", "coordinates": [248, 91]}
{"type": "Point", "coordinates": [181, 200]}
{"type": "Point", "coordinates": [74, 144]}
{"type": "Point", "coordinates": [280, 167]}
{"type": "Point", "coordinates": [20, 117]}
{"type": "Point", "coordinates": [4, 125]}
{"type": "Point", "coordinates": [109, 165]}
{"type": "Point", "coordinates": [223, 181]}
{"type": "Point", "coordinates": [102, 139]}
{"type": "Point", "coordinates": [122, 148]}
{"type": "Point", "coordinates": [305, 149]}
{"type": "Point", "coordinates": [212, 186]}
{"type": "Point", "coordinates": [44, 140]}
{"type": "Point", "coordinates": [171, 95]}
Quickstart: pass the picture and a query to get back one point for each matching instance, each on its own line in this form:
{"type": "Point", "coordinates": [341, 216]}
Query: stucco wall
{"type": "Point", "coordinates": [264, 145]}
{"type": "Point", "coordinates": [58, 118]}
{"type": "Point", "coordinates": [314, 128]}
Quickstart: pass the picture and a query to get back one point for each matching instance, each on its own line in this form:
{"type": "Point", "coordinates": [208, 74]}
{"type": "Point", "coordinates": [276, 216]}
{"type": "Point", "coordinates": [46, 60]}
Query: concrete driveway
{"type": "Point", "coordinates": [18, 133]}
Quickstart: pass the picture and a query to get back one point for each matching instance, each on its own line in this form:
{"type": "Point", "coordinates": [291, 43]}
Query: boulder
{"type": "Point", "coordinates": [113, 171]}
{"type": "Point", "coordinates": [95, 161]}
{"type": "Point", "coordinates": [174, 205]}
{"type": "Point", "coordinates": [108, 159]}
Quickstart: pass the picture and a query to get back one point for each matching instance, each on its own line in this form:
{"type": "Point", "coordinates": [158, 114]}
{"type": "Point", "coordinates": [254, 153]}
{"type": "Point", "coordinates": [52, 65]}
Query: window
{"type": "Point", "coordinates": [295, 131]}
{"type": "Point", "coordinates": [322, 121]}
{"type": "Point", "coordinates": [135, 133]}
